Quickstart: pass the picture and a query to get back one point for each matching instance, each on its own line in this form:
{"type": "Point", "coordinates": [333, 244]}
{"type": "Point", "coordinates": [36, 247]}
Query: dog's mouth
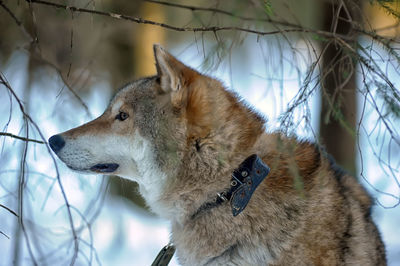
{"type": "Point", "coordinates": [104, 167]}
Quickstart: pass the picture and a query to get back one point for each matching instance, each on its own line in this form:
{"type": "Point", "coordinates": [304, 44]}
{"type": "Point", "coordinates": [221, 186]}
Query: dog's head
{"type": "Point", "coordinates": [145, 123]}
{"type": "Point", "coordinates": [153, 123]}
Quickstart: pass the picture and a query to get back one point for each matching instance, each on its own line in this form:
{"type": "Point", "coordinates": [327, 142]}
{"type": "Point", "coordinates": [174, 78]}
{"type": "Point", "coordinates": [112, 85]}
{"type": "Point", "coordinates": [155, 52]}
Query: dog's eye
{"type": "Point", "coordinates": [121, 116]}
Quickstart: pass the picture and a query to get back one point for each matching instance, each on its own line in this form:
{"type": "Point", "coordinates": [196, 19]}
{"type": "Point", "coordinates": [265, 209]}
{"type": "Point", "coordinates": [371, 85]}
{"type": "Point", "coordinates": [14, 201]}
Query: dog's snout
{"type": "Point", "coordinates": [56, 143]}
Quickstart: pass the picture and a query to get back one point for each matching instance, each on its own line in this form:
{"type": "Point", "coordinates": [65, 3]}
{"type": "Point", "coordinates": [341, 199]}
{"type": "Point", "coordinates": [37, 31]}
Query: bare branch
{"type": "Point", "coordinates": [43, 60]}
{"type": "Point", "coordinates": [8, 209]}
{"type": "Point", "coordinates": [219, 11]}
{"type": "Point", "coordinates": [28, 119]}
{"type": "Point", "coordinates": [21, 138]}
{"type": "Point", "coordinates": [17, 21]}
{"type": "Point", "coordinates": [296, 28]}
{"type": "Point", "coordinates": [46, 62]}
{"type": "Point", "coordinates": [21, 187]}
{"type": "Point", "coordinates": [4, 234]}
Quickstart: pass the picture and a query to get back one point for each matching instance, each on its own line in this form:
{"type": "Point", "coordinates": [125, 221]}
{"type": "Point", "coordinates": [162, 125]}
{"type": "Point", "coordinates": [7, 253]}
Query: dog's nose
{"type": "Point", "coordinates": [56, 143]}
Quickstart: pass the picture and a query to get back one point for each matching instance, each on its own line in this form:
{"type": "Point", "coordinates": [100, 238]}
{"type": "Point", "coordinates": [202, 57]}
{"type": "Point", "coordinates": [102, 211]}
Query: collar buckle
{"type": "Point", "coordinates": [245, 180]}
{"type": "Point", "coordinates": [222, 196]}
{"type": "Point", "coordinates": [164, 256]}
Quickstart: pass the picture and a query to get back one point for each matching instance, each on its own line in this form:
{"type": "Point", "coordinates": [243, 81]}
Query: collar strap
{"type": "Point", "coordinates": [245, 179]}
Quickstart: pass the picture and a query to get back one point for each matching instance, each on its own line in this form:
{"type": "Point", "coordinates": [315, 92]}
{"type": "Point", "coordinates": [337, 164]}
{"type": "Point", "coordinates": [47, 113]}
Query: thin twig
{"type": "Point", "coordinates": [64, 195]}
{"type": "Point", "coordinates": [213, 29]}
{"type": "Point", "coordinates": [46, 62]}
{"type": "Point", "coordinates": [39, 57]}
{"type": "Point", "coordinates": [219, 11]}
{"type": "Point", "coordinates": [1, 232]}
{"type": "Point", "coordinates": [21, 188]}
{"type": "Point", "coordinates": [17, 21]}
{"type": "Point", "coordinates": [21, 138]}
{"type": "Point", "coordinates": [8, 209]}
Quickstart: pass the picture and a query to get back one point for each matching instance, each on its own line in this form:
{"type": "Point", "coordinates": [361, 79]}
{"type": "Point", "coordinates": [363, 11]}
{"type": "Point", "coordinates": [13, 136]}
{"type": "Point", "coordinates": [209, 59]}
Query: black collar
{"type": "Point", "coordinates": [245, 179]}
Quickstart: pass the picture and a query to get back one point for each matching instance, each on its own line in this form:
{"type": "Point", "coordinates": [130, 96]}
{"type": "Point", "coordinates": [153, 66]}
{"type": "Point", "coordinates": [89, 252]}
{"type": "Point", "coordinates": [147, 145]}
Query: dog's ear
{"type": "Point", "coordinates": [173, 74]}
{"type": "Point", "coordinates": [168, 69]}
{"type": "Point", "coordinates": [184, 85]}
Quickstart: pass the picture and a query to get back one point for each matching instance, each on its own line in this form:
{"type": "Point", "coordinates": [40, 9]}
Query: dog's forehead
{"type": "Point", "coordinates": [131, 93]}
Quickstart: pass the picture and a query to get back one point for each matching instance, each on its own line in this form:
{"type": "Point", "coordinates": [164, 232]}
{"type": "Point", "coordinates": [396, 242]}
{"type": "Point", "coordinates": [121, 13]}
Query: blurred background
{"type": "Point", "coordinates": [324, 70]}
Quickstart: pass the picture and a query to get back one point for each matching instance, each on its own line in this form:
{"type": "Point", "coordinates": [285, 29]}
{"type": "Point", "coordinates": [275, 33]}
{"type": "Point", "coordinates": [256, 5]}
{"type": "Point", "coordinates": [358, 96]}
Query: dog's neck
{"type": "Point", "coordinates": [245, 179]}
{"type": "Point", "coordinates": [146, 172]}
{"type": "Point", "coordinates": [179, 203]}
{"type": "Point", "coordinates": [176, 191]}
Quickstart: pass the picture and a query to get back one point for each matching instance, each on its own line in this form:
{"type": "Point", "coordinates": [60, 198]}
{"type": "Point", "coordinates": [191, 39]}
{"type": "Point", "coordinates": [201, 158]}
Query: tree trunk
{"type": "Point", "coordinates": [338, 97]}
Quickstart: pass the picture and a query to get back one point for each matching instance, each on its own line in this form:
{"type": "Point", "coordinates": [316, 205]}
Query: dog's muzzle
{"type": "Point", "coordinates": [57, 142]}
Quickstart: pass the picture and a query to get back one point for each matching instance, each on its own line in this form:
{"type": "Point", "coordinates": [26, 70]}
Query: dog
{"type": "Point", "coordinates": [184, 139]}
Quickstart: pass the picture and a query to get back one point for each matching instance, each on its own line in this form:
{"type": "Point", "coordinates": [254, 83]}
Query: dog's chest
{"type": "Point", "coordinates": [213, 240]}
